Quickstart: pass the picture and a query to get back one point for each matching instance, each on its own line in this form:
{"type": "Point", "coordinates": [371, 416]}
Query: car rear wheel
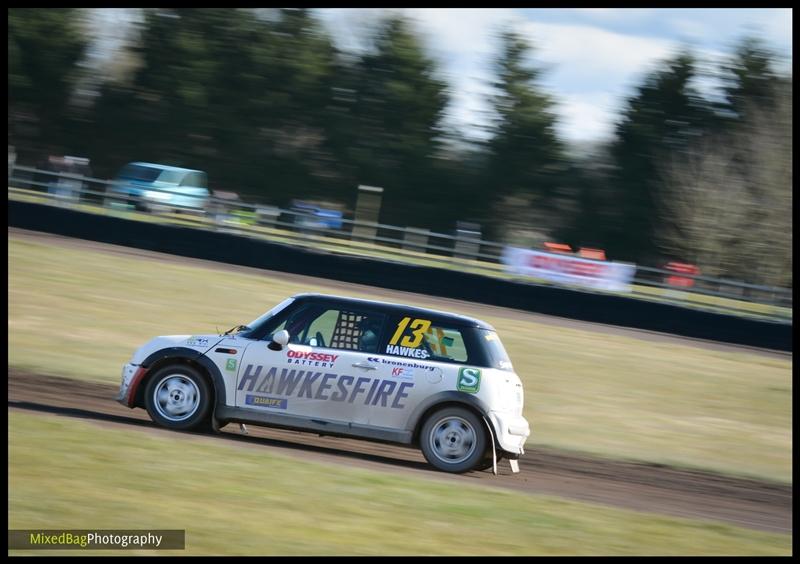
{"type": "Point", "coordinates": [454, 440]}
{"type": "Point", "coordinates": [178, 397]}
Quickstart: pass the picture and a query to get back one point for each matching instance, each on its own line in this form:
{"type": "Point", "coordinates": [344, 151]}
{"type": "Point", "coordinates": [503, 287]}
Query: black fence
{"type": "Point", "coordinates": [258, 253]}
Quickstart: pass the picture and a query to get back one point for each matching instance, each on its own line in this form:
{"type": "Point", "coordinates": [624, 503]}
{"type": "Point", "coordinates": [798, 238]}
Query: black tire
{"type": "Point", "coordinates": [453, 439]}
{"type": "Point", "coordinates": [178, 397]}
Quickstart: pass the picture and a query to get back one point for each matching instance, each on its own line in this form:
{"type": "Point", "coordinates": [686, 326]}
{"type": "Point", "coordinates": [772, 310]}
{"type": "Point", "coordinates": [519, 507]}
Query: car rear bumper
{"type": "Point", "coordinates": [511, 431]}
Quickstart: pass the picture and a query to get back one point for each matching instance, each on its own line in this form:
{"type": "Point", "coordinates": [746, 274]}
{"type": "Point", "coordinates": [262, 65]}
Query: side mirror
{"type": "Point", "coordinates": [280, 339]}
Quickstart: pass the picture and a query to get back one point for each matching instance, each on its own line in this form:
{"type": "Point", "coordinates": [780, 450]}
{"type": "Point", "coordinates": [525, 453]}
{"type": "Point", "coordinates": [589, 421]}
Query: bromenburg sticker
{"type": "Point", "coordinates": [469, 380]}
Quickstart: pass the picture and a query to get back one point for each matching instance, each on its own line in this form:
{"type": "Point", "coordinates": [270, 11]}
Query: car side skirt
{"type": "Point", "coordinates": [227, 414]}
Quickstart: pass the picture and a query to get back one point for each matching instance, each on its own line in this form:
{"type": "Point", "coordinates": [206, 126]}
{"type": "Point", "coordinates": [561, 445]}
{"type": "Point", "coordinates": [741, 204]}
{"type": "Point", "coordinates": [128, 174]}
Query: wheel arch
{"type": "Point", "coordinates": [443, 400]}
{"type": "Point", "coordinates": [189, 357]}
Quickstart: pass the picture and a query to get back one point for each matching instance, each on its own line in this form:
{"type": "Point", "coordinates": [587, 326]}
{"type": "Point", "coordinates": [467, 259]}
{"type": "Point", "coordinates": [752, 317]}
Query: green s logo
{"type": "Point", "coordinates": [231, 364]}
{"type": "Point", "coordinates": [469, 380]}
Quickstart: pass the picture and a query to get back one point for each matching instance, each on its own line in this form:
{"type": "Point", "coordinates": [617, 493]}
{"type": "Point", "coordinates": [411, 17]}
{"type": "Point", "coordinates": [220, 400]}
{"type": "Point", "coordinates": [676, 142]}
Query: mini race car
{"type": "Point", "coordinates": [343, 367]}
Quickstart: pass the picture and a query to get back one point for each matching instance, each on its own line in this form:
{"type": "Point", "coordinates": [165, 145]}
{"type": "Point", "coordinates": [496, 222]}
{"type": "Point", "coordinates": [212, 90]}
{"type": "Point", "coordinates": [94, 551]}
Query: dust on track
{"type": "Point", "coordinates": [631, 485]}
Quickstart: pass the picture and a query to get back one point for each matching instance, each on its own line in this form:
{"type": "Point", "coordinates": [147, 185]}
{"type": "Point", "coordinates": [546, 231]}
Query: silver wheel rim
{"type": "Point", "coordinates": [452, 440]}
{"type": "Point", "coordinates": [176, 397]}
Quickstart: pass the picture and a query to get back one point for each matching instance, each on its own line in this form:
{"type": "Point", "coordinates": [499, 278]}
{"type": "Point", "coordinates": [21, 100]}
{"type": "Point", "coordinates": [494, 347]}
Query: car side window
{"type": "Point", "coordinates": [446, 344]}
{"type": "Point", "coordinates": [170, 177]}
{"type": "Point", "coordinates": [192, 179]}
{"type": "Point", "coordinates": [326, 327]}
{"type": "Point", "coordinates": [346, 329]}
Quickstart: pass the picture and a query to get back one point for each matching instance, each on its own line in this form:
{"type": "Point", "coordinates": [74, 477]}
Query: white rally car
{"type": "Point", "coordinates": [344, 367]}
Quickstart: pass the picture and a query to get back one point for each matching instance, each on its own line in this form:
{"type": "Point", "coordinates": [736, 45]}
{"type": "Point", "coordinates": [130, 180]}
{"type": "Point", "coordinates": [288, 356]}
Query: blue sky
{"type": "Point", "coordinates": [594, 57]}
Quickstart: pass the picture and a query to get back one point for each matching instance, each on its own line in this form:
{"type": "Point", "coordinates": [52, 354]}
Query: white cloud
{"type": "Point", "coordinates": [593, 56]}
{"type": "Point", "coordinates": [605, 15]}
{"type": "Point", "coordinates": [777, 25]}
{"type": "Point", "coordinates": [588, 70]}
{"type": "Point", "coordinates": [578, 58]}
{"type": "Point", "coordinates": [691, 29]}
{"type": "Point", "coordinates": [588, 116]}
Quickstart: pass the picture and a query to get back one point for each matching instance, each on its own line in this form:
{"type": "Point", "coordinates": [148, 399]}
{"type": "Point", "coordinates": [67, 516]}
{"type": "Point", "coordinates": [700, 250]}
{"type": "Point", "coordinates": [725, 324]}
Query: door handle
{"type": "Point", "coordinates": [364, 366]}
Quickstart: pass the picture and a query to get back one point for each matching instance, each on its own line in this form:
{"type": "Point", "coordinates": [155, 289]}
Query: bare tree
{"type": "Point", "coordinates": [704, 207]}
{"type": "Point", "coordinates": [766, 142]}
{"type": "Point", "coordinates": [727, 204]}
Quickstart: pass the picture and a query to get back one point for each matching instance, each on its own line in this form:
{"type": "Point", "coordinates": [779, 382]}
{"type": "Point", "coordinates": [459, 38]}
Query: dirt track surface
{"type": "Point", "coordinates": [638, 486]}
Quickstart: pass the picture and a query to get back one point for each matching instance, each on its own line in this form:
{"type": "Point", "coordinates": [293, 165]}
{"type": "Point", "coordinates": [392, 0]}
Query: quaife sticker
{"type": "Point", "coordinates": [262, 401]}
{"type": "Point", "coordinates": [469, 380]}
{"type": "Point", "coordinates": [194, 341]}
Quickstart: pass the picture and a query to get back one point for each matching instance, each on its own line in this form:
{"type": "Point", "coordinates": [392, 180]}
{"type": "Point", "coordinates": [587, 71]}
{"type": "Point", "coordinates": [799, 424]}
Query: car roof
{"type": "Point", "coordinates": [444, 317]}
{"type": "Point", "coordinates": [165, 167]}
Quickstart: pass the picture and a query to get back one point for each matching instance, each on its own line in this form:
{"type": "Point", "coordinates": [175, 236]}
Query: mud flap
{"type": "Point", "coordinates": [494, 452]}
{"type": "Point", "coordinates": [214, 422]}
{"type": "Point", "coordinates": [514, 465]}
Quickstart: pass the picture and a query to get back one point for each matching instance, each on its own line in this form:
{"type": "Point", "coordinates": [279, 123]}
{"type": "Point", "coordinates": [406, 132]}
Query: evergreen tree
{"type": "Point", "coordinates": [526, 158]}
{"type": "Point", "coordinates": [229, 92]}
{"type": "Point", "coordinates": [395, 102]}
{"type": "Point", "coordinates": [664, 117]}
{"type": "Point", "coordinates": [44, 49]}
{"type": "Point", "coordinates": [749, 79]}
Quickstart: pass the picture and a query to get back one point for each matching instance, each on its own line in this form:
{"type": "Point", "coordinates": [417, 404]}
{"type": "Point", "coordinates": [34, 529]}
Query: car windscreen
{"type": "Point", "coordinates": [264, 322]}
{"type": "Point", "coordinates": [139, 173]}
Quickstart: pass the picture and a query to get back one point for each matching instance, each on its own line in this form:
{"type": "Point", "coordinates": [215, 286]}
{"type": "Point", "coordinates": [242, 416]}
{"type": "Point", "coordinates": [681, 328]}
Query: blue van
{"type": "Point", "coordinates": [146, 186]}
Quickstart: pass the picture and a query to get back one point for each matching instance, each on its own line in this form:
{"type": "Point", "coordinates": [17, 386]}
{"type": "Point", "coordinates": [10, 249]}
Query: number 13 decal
{"type": "Point", "coordinates": [419, 326]}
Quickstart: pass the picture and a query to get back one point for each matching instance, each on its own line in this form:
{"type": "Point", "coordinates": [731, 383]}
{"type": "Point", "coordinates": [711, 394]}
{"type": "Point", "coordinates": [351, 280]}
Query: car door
{"type": "Point", "coordinates": [325, 372]}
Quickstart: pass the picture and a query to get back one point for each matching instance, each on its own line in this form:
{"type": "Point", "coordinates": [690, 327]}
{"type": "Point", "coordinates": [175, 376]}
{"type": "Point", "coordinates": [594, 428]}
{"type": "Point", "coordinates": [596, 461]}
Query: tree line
{"type": "Point", "coordinates": [272, 109]}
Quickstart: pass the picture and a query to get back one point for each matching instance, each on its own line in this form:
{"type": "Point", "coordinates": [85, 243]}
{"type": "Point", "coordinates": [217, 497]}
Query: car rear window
{"type": "Point", "coordinates": [494, 349]}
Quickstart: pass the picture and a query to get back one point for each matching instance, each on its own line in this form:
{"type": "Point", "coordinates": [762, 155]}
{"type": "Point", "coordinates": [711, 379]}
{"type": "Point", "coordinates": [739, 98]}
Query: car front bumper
{"type": "Point", "coordinates": [132, 375]}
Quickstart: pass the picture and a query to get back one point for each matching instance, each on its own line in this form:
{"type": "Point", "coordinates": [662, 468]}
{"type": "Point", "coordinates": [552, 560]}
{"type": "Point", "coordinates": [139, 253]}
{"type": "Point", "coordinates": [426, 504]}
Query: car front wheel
{"type": "Point", "coordinates": [178, 397]}
{"type": "Point", "coordinates": [454, 440]}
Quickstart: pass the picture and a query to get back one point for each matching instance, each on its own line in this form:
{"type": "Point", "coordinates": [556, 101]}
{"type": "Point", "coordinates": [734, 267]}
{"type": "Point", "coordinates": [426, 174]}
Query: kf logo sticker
{"type": "Point", "coordinates": [469, 380]}
{"type": "Point", "coordinates": [231, 365]}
